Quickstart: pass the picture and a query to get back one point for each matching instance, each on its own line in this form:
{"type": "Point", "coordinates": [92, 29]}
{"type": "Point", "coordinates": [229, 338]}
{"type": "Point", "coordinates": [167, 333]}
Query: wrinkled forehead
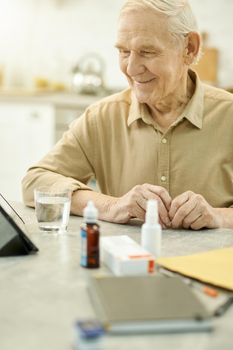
{"type": "Point", "coordinates": [146, 25]}
{"type": "Point", "coordinates": [143, 19]}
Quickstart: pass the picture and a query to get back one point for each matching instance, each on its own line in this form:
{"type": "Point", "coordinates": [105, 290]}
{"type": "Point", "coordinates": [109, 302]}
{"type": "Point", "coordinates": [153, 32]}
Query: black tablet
{"type": "Point", "coordinates": [13, 237]}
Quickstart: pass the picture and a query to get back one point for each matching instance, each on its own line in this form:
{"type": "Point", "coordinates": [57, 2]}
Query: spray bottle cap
{"type": "Point", "coordinates": [90, 212]}
{"type": "Point", "coordinates": [152, 212]}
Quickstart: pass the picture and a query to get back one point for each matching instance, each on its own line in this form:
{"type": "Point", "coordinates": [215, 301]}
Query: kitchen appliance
{"type": "Point", "coordinates": [87, 75]}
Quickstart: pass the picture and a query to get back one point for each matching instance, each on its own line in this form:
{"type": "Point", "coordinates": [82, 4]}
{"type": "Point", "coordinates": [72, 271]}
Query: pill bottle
{"type": "Point", "coordinates": [89, 232]}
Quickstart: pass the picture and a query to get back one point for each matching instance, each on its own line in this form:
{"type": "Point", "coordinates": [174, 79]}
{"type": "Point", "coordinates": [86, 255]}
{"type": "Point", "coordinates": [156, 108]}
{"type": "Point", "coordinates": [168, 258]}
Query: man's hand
{"type": "Point", "coordinates": [122, 209]}
{"type": "Point", "coordinates": [191, 210]}
{"type": "Point", "coordinates": [133, 204]}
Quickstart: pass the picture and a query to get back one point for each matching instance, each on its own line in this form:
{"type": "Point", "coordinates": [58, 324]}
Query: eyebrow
{"type": "Point", "coordinates": [142, 48]}
{"type": "Point", "coordinates": [119, 46]}
{"type": "Point", "coordinates": [148, 47]}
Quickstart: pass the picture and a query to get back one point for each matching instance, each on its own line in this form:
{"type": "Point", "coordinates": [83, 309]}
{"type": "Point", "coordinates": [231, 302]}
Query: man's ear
{"type": "Point", "coordinates": [192, 47]}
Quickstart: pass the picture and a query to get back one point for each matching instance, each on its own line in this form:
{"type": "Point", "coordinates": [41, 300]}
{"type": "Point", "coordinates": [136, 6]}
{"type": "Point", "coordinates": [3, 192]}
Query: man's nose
{"type": "Point", "coordinates": [134, 64]}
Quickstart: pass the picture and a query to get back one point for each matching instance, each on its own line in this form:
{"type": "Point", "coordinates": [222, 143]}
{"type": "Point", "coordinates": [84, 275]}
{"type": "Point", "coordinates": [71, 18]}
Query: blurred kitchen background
{"type": "Point", "coordinates": [58, 56]}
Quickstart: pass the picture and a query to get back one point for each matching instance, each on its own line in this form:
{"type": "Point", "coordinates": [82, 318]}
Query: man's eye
{"type": "Point", "coordinates": [147, 53]}
{"type": "Point", "coordinates": [124, 52]}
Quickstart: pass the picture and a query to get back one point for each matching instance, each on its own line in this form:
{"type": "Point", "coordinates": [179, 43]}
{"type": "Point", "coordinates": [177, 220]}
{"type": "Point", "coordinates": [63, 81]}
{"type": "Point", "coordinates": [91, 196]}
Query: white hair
{"type": "Point", "coordinates": [181, 19]}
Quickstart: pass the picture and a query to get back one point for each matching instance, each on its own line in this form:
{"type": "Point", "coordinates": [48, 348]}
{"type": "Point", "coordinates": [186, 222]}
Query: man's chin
{"type": "Point", "coordinates": [141, 97]}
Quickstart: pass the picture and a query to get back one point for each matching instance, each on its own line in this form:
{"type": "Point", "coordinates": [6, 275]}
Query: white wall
{"type": "Point", "coordinates": [47, 37]}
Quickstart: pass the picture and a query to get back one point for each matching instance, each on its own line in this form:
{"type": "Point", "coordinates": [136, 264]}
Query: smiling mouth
{"type": "Point", "coordinates": [143, 82]}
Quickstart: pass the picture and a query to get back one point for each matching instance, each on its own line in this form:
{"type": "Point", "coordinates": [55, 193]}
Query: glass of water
{"type": "Point", "coordinates": [52, 209]}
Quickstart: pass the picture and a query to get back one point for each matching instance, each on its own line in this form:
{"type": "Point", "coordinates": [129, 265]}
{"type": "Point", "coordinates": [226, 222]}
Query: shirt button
{"type": "Point", "coordinates": [163, 178]}
{"type": "Point", "coordinates": [164, 140]}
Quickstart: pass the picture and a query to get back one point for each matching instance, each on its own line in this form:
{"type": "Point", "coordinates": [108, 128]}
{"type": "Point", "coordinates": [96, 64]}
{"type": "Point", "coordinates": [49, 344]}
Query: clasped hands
{"type": "Point", "coordinates": [188, 210]}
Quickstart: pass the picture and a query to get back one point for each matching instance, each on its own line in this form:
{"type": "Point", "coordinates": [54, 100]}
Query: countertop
{"type": "Point", "coordinates": [66, 99]}
{"type": "Point", "coordinates": [42, 295]}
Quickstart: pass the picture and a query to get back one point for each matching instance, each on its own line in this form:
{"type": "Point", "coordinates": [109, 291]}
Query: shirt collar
{"type": "Point", "coordinates": [134, 111]}
{"type": "Point", "coordinates": [193, 112]}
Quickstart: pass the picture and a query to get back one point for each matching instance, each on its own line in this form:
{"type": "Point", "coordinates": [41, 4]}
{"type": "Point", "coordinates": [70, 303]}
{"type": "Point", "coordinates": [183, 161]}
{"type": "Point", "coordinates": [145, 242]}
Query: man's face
{"type": "Point", "coordinates": [149, 56]}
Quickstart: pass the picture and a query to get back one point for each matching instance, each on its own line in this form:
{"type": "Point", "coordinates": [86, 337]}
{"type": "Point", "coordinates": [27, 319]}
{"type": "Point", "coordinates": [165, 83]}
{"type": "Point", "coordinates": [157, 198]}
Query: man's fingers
{"type": "Point", "coordinates": [194, 215]}
{"type": "Point", "coordinates": [164, 201]}
{"type": "Point", "coordinates": [162, 194]}
{"type": "Point", "coordinates": [185, 215]}
{"type": "Point", "coordinates": [178, 202]}
{"type": "Point", "coordinates": [140, 208]}
{"type": "Point", "coordinates": [135, 203]}
{"type": "Point", "coordinates": [162, 211]}
{"type": "Point", "coordinates": [198, 224]}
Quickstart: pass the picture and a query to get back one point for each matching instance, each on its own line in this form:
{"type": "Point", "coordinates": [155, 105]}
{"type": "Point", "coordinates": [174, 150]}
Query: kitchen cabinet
{"type": "Point", "coordinates": [63, 117]}
{"type": "Point", "coordinates": [26, 134]}
{"type": "Point", "coordinates": [29, 127]}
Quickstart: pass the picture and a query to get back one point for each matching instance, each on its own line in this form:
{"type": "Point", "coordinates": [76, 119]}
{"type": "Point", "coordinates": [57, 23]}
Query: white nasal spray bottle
{"type": "Point", "coordinates": [151, 233]}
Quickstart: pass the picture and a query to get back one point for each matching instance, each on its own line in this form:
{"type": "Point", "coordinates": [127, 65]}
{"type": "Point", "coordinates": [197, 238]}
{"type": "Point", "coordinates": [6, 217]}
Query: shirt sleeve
{"type": "Point", "coordinates": [69, 165]}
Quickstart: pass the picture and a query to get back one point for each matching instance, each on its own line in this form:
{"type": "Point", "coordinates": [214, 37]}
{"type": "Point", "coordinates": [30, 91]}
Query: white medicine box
{"type": "Point", "coordinates": [124, 256]}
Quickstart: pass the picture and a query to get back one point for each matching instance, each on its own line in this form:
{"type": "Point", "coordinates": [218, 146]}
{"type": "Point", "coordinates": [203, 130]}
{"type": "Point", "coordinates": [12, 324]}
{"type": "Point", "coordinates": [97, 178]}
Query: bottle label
{"type": "Point", "coordinates": [83, 259]}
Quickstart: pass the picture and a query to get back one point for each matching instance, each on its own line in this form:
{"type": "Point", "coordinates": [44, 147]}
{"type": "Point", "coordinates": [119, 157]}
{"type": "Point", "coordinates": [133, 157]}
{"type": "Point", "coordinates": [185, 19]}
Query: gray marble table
{"type": "Point", "coordinates": [42, 295]}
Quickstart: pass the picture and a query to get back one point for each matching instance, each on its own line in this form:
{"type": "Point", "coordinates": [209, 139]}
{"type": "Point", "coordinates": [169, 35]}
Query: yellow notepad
{"type": "Point", "coordinates": [214, 267]}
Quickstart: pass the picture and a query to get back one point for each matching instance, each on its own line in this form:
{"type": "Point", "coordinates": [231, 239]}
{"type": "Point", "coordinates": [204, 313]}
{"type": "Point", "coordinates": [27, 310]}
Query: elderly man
{"type": "Point", "coordinates": [168, 137]}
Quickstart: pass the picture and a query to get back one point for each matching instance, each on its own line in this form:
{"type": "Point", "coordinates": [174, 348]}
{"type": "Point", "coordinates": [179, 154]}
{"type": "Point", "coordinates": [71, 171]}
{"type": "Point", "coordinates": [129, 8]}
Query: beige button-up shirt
{"type": "Point", "coordinates": [117, 141]}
